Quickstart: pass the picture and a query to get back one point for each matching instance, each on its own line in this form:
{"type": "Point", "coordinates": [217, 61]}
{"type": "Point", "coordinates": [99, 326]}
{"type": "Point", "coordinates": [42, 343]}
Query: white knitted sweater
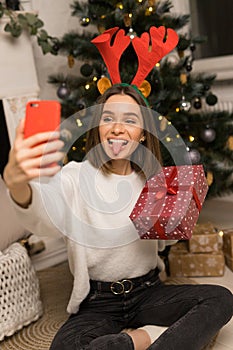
{"type": "Point", "coordinates": [91, 211]}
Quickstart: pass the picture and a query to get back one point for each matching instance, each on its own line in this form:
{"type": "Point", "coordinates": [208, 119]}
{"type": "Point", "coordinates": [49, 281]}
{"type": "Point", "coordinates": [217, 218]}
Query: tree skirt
{"type": "Point", "coordinates": [56, 285]}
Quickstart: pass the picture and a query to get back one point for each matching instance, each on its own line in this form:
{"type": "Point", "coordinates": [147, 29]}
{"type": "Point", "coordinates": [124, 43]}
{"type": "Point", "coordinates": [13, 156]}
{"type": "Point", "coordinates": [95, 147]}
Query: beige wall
{"type": "Point", "coordinates": [56, 15]}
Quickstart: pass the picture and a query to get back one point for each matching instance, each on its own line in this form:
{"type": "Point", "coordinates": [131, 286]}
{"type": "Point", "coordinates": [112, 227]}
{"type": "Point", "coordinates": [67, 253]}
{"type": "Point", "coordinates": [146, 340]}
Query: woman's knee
{"type": "Point", "coordinates": [222, 301]}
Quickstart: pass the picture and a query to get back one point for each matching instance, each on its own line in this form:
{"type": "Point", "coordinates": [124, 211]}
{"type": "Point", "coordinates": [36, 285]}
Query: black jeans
{"type": "Point", "coordinates": [193, 313]}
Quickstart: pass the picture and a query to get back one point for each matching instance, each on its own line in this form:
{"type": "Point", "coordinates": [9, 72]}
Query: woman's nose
{"type": "Point", "coordinates": [118, 128]}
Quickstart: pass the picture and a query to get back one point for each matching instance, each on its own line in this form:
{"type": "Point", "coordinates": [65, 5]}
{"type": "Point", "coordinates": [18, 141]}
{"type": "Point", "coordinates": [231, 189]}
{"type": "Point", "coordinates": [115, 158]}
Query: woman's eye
{"type": "Point", "coordinates": [130, 121]}
{"type": "Point", "coordinates": [106, 119]}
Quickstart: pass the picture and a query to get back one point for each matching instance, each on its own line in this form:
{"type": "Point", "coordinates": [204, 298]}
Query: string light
{"type": "Point", "coordinates": [221, 233]}
{"type": "Point", "coordinates": [150, 9]}
{"type": "Point", "coordinates": [120, 6]}
{"type": "Point", "coordinates": [191, 138]}
{"type": "Point", "coordinates": [87, 86]}
{"type": "Point", "coordinates": [74, 148]}
{"type": "Point", "coordinates": [168, 139]}
{"type": "Point", "coordinates": [95, 78]}
{"type": "Point", "coordinates": [157, 65]}
{"type": "Point", "coordinates": [79, 123]}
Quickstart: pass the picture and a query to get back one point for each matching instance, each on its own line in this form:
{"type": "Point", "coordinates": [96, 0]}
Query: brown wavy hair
{"type": "Point", "coordinates": [143, 162]}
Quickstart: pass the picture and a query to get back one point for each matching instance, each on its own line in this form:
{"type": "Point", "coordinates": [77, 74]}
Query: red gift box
{"type": "Point", "coordinates": [170, 202]}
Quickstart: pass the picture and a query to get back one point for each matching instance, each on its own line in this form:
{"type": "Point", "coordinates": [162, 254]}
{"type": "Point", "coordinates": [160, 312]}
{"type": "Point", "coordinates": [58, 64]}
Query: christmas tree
{"type": "Point", "coordinates": [177, 93]}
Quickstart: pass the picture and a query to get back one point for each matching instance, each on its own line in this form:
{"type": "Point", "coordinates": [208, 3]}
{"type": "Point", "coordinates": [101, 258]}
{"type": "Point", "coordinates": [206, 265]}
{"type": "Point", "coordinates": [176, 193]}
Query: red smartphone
{"type": "Point", "coordinates": [42, 116]}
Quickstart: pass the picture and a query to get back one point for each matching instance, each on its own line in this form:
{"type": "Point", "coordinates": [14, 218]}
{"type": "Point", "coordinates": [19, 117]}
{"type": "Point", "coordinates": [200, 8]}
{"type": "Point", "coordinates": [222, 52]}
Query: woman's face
{"type": "Point", "coordinates": [121, 126]}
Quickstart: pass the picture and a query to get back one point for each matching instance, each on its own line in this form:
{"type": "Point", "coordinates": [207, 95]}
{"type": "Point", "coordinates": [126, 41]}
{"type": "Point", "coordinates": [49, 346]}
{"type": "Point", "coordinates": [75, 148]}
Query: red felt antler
{"type": "Point", "coordinates": [148, 55]}
{"type": "Point", "coordinates": [112, 53]}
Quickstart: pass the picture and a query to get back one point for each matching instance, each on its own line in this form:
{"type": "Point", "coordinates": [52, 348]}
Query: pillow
{"type": "Point", "coordinates": [20, 302]}
{"type": "Point", "coordinates": [10, 228]}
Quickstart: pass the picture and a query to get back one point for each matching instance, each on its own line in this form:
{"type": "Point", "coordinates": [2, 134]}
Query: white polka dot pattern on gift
{"type": "Point", "coordinates": [168, 206]}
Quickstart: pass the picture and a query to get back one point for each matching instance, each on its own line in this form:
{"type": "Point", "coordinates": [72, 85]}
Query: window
{"type": "Point", "coordinates": [212, 19]}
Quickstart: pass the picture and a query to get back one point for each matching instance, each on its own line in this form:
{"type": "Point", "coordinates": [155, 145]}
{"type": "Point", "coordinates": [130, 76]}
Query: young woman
{"type": "Point", "coordinates": [116, 275]}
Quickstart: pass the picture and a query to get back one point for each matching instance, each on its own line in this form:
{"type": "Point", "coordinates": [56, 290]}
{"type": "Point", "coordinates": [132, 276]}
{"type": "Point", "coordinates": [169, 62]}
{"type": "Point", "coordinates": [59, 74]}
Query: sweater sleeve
{"type": "Point", "coordinates": [162, 244]}
{"type": "Point", "coordinates": [46, 214]}
{"type": "Point", "coordinates": [79, 269]}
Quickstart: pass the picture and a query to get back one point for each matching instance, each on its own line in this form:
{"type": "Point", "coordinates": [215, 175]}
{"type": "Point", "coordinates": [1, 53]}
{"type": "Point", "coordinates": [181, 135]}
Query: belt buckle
{"type": "Point", "coordinates": [123, 287]}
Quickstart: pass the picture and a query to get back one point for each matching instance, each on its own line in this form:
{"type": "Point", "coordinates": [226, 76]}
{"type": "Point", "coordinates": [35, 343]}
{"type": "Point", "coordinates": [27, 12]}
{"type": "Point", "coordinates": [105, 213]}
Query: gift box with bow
{"type": "Point", "coordinates": [170, 202]}
{"type": "Point", "coordinates": [205, 239]}
{"type": "Point", "coordinates": [182, 263]}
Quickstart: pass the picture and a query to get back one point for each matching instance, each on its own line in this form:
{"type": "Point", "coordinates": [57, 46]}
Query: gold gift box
{"type": "Point", "coordinates": [205, 239]}
{"type": "Point", "coordinates": [182, 263]}
{"type": "Point", "coordinates": [229, 262]}
{"type": "Point", "coordinates": [228, 242]}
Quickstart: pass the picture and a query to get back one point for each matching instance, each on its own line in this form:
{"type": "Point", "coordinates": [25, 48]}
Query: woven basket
{"type": "Point", "coordinates": [20, 302]}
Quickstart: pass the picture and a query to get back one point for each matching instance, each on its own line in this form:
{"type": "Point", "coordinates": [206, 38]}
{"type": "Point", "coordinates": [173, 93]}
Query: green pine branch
{"type": "Point", "coordinates": [30, 22]}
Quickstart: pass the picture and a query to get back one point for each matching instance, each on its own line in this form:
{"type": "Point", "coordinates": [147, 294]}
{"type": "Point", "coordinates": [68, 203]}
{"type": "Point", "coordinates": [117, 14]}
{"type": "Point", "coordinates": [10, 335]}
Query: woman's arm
{"type": "Point", "coordinates": [30, 159]}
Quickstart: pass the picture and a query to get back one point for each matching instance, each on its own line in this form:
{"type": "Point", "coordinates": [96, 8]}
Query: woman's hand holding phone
{"type": "Point", "coordinates": [33, 154]}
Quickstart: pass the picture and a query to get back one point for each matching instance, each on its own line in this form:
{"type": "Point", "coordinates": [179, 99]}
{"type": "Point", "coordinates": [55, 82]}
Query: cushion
{"type": "Point", "coordinates": [11, 229]}
{"type": "Point", "coordinates": [20, 302]}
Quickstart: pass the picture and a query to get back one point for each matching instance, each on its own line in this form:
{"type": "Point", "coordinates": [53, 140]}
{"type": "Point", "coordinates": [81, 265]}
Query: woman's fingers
{"type": "Point", "coordinates": [40, 138]}
{"type": "Point", "coordinates": [42, 161]}
{"type": "Point", "coordinates": [35, 156]}
{"type": "Point", "coordinates": [20, 128]}
{"type": "Point", "coordinates": [40, 150]}
{"type": "Point", "coordinates": [33, 174]}
{"type": "Point", "coordinates": [27, 161]}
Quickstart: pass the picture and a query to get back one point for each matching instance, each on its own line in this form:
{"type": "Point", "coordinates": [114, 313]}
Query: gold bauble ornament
{"type": "Point", "coordinates": [209, 178]}
{"type": "Point", "coordinates": [70, 61]}
{"type": "Point", "coordinates": [183, 78]}
{"type": "Point", "coordinates": [229, 143]}
{"type": "Point", "coordinates": [128, 19]}
{"type": "Point", "coordinates": [181, 53]}
{"type": "Point", "coordinates": [101, 28]}
{"type": "Point", "coordinates": [119, 5]}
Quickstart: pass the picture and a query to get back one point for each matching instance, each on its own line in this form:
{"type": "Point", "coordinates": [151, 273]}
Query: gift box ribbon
{"type": "Point", "coordinates": [171, 189]}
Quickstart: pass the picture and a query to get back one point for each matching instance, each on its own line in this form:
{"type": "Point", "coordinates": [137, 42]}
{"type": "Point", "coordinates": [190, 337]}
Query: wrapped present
{"type": "Point", "coordinates": [229, 262]}
{"type": "Point", "coordinates": [170, 202]}
{"type": "Point", "coordinates": [204, 228]}
{"type": "Point", "coordinates": [182, 263]}
{"type": "Point", "coordinates": [228, 242]}
{"type": "Point", "coordinates": [205, 239]}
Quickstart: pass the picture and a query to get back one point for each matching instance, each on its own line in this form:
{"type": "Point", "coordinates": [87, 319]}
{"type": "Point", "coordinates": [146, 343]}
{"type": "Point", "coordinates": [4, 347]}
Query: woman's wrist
{"type": "Point", "coordinates": [22, 196]}
{"type": "Point", "coordinates": [21, 193]}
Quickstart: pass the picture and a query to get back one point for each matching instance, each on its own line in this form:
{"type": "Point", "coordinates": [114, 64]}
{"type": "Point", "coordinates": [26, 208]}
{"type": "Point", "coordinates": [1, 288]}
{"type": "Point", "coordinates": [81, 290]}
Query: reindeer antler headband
{"type": "Point", "coordinates": [150, 49]}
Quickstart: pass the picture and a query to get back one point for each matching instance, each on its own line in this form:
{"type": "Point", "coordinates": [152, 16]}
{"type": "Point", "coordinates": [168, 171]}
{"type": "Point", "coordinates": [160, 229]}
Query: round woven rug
{"type": "Point", "coordinates": [56, 285]}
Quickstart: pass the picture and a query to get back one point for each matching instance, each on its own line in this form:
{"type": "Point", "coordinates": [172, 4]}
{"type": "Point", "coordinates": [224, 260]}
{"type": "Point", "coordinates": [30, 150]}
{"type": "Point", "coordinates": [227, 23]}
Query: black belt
{"type": "Point", "coordinates": [126, 285]}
